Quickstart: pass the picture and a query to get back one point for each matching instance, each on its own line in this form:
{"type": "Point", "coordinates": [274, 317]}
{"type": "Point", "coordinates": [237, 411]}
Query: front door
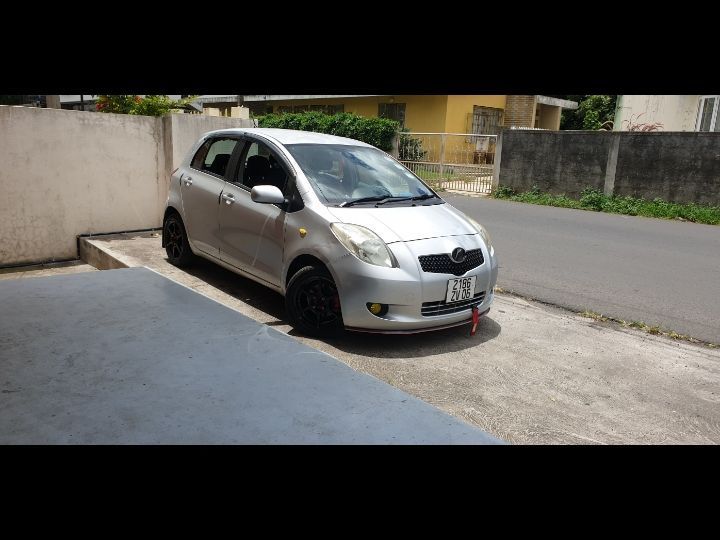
{"type": "Point", "coordinates": [252, 234]}
{"type": "Point", "coordinates": [200, 188]}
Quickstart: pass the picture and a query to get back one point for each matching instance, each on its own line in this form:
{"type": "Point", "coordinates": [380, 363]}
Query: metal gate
{"type": "Point", "coordinates": [455, 161]}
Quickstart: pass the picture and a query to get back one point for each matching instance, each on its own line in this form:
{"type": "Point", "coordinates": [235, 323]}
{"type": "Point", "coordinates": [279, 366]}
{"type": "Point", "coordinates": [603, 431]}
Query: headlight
{"type": "Point", "coordinates": [364, 244]}
{"type": "Point", "coordinates": [483, 233]}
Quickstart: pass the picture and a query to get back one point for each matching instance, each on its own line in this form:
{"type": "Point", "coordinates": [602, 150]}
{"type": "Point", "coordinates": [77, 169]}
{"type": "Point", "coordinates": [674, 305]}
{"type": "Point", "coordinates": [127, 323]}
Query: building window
{"type": "Point", "coordinates": [393, 111]}
{"type": "Point", "coordinates": [486, 120]}
{"type": "Point", "coordinates": [708, 114]}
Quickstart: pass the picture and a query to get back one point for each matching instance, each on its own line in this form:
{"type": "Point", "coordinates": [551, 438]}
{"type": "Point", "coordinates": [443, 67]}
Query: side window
{"type": "Point", "coordinates": [213, 156]}
{"type": "Point", "coordinates": [260, 167]}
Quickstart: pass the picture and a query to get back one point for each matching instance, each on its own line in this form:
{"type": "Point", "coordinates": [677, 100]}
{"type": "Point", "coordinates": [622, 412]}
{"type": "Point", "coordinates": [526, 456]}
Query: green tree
{"type": "Point", "coordinates": [11, 100]}
{"type": "Point", "coordinates": [592, 113]}
{"type": "Point", "coordinates": [151, 105]}
{"type": "Point", "coordinates": [378, 132]}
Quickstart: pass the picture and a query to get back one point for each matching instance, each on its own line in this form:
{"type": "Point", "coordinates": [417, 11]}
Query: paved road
{"type": "Point", "coordinates": [657, 271]}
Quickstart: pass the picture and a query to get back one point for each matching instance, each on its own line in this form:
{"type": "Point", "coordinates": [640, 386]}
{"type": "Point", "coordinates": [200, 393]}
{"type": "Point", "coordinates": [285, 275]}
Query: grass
{"type": "Point", "coordinates": [592, 199]}
{"type": "Point", "coordinates": [430, 175]}
{"type": "Point", "coordinates": [650, 329]}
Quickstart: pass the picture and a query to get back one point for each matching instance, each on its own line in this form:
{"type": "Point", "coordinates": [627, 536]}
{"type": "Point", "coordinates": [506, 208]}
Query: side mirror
{"type": "Point", "coordinates": [267, 195]}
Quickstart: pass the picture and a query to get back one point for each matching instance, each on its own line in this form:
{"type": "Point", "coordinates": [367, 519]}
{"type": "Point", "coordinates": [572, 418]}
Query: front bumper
{"type": "Point", "coordinates": [406, 288]}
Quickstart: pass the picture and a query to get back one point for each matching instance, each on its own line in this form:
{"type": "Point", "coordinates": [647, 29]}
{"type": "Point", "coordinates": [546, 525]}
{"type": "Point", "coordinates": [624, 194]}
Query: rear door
{"type": "Point", "coordinates": [201, 186]}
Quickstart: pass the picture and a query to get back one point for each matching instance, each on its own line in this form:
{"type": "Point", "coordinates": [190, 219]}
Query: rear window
{"type": "Point", "coordinates": [214, 155]}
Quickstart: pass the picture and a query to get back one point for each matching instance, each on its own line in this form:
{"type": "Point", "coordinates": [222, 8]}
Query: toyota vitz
{"type": "Point", "coordinates": [350, 237]}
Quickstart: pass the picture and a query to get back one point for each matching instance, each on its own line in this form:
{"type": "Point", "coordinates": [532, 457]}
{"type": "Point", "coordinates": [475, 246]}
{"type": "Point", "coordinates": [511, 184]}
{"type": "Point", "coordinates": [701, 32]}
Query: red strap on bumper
{"type": "Point", "coordinates": [475, 320]}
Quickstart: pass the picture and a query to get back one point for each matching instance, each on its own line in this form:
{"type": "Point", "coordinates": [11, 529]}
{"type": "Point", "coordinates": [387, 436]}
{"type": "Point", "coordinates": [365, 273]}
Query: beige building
{"type": "Point", "coordinates": [482, 113]}
{"type": "Point", "coordinates": [668, 113]}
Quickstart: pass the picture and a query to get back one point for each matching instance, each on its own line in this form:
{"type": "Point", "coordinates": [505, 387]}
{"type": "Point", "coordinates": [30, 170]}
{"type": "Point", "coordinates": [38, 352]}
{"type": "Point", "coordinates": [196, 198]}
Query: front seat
{"type": "Point", "coordinates": [256, 169]}
{"type": "Point", "coordinates": [276, 177]}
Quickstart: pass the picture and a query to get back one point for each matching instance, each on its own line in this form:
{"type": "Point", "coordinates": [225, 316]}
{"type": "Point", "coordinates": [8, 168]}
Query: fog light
{"type": "Point", "coordinates": [377, 309]}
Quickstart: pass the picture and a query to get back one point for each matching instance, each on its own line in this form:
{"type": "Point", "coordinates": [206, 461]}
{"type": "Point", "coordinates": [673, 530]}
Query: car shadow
{"type": "Point", "coordinates": [242, 288]}
{"type": "Point", "coordinates": [416, 345]}
{"type": "Point", "coordinates": [371, 345]}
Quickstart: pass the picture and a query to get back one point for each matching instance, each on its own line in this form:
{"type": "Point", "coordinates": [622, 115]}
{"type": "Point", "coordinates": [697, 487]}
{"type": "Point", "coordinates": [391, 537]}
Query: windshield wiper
{"type": "Point", "coordinates": [418, 198]}
{"type": "Point", "coordinates": [374, 198]}
{"type": "Point", "coordinates": [425, 196]}
{"type": "Point", "coordinates": [382, 199]}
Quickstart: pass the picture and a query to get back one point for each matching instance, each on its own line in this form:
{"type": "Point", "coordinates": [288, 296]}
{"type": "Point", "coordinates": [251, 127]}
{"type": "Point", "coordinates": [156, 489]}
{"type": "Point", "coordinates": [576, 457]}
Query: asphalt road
{"type": "Point", "coordinates": [660, 272]}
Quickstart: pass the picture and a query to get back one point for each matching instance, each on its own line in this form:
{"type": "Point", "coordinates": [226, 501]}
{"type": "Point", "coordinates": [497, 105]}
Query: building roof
{"type": "Point", "coordinates": [556, 102]}
{"type": "Point", "coordinates": [288, 98]}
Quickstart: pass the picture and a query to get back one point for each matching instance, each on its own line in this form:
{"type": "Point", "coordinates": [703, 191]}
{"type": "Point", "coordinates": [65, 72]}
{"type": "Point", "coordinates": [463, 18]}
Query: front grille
{"type": "Point", "coordinates": [432, 309]}
{"type": "Point", "coordinates": [443, 264]}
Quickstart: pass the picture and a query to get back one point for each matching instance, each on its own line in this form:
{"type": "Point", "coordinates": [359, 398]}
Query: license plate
{"type": "Point", "coordinates": [460, 289]}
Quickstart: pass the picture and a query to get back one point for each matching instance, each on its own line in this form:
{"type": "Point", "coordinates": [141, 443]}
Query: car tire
{"type": "Point", "coordinates": [313, 304]}
{"type": "Point", "coordinates": [176, 242]}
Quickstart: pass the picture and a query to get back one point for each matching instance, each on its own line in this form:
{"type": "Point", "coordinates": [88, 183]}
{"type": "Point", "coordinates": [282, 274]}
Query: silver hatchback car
{"type": "Point", "coordinates": [350, 237]}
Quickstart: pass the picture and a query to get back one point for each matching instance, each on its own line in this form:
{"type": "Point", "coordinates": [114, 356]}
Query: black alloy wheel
{"type": "Point", "coordinates": [313, 303]}
{"type": "Point", "coordinates": [176, 244]}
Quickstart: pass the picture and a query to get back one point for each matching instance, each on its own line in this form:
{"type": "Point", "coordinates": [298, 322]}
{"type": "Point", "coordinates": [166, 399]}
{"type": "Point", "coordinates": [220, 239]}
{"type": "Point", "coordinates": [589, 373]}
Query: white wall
{"type": "Point", "coordinates": [676, 113]}
{"type": "Point", "coordinates": [65, 173]}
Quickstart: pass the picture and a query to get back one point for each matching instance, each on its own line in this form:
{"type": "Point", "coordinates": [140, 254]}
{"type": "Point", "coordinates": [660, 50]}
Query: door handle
{"type": "Point", "coordinates": [229, 199]}
{"type": "Point", "coordinates": [188, 181]}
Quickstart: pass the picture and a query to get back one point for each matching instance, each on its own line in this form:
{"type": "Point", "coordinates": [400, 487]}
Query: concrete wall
{"type": "Point", "coordinates": [232, 112]}
{"type": "Point", "coordinates": [66, 173]}
{"type": "Point", "coordinates": [678, 167]}
{"type": "Point", "coordinates": [675, 113]}
{"type": "Point", "coordinates": [554, 161]}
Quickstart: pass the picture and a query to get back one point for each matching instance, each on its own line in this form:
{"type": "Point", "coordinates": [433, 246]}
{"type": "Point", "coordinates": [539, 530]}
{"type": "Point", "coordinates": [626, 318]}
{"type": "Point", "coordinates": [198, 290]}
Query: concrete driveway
{"type": "Point", "coordinates": [129, 356]}
{"type": "Point", "coordinates": [532, 374]}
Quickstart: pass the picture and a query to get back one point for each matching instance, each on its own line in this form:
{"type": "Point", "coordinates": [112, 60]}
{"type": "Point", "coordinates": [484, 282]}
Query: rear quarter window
{"type": "Point", "coordinates": [214, 155]}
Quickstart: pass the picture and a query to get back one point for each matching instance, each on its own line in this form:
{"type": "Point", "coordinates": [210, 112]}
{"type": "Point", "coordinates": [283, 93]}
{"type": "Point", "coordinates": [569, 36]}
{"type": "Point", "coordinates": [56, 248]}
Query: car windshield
{"type": "Point", "coordinates": [357, 175]}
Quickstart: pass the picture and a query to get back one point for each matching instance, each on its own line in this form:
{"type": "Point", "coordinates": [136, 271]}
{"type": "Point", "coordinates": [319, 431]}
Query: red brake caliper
{"type": "Point", "coordinates": [475, 319]}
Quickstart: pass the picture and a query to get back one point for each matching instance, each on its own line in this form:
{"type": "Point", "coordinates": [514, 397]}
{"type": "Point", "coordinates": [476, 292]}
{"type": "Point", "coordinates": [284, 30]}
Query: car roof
{"type": "Point", "coordinates": [291, 136]}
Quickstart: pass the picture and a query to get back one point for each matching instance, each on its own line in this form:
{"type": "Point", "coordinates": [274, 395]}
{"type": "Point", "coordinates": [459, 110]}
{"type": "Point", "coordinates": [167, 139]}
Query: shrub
{"type": "Point", "coordinates": [378, 132]}
{"type": "Point", "coordinates": [410, 148]}
{"type": "Point", "coordinates": [592, 199]}
{"type": "Point", "coordinates": [155, 105]}
{"type": "Point", "coordinates": [504, 192]}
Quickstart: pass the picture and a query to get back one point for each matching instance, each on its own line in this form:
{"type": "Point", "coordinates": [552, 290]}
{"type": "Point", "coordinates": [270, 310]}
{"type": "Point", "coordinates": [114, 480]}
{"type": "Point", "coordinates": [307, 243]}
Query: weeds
{"type": "Point", "coordinates": [639, 325]}
{"type": "Point", "coordinates": [596, 200]}
{"type": "Point", "coordinates": [599, 317]}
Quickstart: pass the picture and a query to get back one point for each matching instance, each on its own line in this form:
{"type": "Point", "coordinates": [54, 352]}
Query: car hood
{"type": "Point", "coordinates": [407, 223]}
